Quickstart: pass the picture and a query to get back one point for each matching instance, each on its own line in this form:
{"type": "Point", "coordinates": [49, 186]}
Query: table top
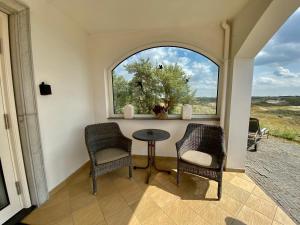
{"type": "Point", "coordinates": [151, 135]}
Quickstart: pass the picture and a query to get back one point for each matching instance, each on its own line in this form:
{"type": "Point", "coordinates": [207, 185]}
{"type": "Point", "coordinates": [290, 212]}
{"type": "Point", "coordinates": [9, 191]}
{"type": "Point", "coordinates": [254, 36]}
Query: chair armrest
{"type": "Point", "coordinates": [125, 143]}
{"type": "Point", "coordinates": [222, 160]}
{"type": "Point", "coordinates": [92, 155]}
{"type": "Point", "coordinates": [180, 147]}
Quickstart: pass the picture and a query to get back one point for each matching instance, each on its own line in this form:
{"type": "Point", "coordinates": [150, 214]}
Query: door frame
{"type": "Point", "coordinates": [25, 98]}
{"type": "Point", "coordinates": [10, 110]}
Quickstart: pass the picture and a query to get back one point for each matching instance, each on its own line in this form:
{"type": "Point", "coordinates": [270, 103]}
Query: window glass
{"type": "Point", "coordinates": [166, 76]}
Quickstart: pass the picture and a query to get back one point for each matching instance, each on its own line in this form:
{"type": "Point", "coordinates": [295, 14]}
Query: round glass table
{"type": "Point", "coordinates": [151, 136]}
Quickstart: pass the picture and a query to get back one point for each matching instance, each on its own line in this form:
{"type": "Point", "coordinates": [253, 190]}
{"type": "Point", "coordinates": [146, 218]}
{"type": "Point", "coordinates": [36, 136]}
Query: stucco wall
{"type": "Point", "coordinates": [60, 58]}
{"type": "Point", "coordinates": [108, 48]}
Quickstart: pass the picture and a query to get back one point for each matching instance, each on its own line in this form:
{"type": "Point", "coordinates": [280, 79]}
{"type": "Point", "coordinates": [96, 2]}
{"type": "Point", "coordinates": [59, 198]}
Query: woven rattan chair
{"type": "Point", "coordinates": [108, 149]}
{"type": "Point", "coordinates": [201, 152]}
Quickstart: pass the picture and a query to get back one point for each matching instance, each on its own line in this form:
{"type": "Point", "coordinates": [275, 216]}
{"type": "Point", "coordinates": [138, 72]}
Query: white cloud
{"type": "Point", "coordinates": [284, 72]}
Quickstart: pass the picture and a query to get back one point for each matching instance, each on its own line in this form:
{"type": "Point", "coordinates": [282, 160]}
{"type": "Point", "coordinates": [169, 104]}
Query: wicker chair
{"type": "Point", "coordinates": [108, 149]}
{"type": "Point", "coordinates": [201, 152]}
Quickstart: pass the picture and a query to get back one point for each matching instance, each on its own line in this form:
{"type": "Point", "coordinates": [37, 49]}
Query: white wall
{"type": "Point", "coordinates": [108, 48]}
{"type": "Point", "coordinates": [60, 58]}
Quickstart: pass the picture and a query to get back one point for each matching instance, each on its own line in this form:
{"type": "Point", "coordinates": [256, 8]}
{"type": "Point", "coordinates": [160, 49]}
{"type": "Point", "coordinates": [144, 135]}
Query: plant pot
{"type": "Point", "coordinates": [162, 116]}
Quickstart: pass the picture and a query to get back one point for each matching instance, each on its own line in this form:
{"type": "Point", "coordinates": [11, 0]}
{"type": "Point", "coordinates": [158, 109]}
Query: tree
{"type": "Point", "coordinates": [151, 85]}
{"type": "Point", "coordinates": [174, 85]}
{"type": "Point", "coordinates": [121, 92]}
{"type": "Point", "coordinates": [144, 86]}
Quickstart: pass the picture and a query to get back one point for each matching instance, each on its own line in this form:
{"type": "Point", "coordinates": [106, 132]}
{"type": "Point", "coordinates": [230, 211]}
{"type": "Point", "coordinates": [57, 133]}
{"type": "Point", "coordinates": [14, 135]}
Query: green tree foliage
{"type": "Point", "coordinates": [121, 92]}
{"type": "Point", "coordinates": [152, 85]}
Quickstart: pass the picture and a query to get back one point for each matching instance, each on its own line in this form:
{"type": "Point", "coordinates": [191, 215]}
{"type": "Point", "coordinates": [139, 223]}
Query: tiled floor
{"type": "Point", "coordinates": [130, 201]}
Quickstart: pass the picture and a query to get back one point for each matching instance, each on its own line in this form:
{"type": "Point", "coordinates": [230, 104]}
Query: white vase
{"type": "Point", "coordinates": [128, 111]}
{"type": "Point", "coordinates": [187, 112]}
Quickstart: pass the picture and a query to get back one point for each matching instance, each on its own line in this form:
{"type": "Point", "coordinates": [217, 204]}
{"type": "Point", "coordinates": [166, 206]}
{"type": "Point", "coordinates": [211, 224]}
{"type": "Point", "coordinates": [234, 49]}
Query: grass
{"type": "Point", "coordinates": [282, 121]}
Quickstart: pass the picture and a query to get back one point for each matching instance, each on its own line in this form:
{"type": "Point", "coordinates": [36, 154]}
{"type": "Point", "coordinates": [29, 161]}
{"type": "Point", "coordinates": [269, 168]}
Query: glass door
{"type": "Point", "coordinates": [10, 202]}
{"type": "Point", "coordinates": [4, 200]}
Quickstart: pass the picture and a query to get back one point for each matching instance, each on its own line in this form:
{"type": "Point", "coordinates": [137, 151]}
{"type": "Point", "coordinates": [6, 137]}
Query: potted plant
{"type": "Point", "coordinates": [161, 111]}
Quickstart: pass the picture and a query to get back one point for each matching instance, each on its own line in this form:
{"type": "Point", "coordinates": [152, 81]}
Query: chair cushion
{"type": "Point", "coordinates": [200, 159]}
{"type": "Point", "coordinates": [110, 154]}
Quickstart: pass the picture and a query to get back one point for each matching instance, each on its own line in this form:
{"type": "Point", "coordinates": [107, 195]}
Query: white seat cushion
{"type": "Point", "coordinates": [199, 158]}
{"type": "Point", "coordinates": [110, 154]}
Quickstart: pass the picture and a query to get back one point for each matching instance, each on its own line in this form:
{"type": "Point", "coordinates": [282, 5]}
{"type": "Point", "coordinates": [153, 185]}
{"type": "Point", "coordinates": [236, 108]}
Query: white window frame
{"type": "Point", "coordinates": [109, 83]}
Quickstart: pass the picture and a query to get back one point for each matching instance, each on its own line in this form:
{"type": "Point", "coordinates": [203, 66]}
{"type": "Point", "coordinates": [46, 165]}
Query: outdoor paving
{"type": "Point", "coordinates": [276, 168]}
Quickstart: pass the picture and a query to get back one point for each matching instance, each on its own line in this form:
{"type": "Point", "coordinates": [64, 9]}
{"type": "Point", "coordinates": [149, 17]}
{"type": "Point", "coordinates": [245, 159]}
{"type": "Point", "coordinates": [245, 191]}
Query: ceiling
{"type": "Point", "coordinates": [120, 15]}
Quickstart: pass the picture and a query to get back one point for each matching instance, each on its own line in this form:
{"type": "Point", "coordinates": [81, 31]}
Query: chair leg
{"type": "Point", "coordinates": [130, 171]}
{"type": "Point", "coordinates": [178, 176]}
{"type": "Point", "coordinates": [219, 190]}
{"type": "Point", "coordinates": [94, 184]}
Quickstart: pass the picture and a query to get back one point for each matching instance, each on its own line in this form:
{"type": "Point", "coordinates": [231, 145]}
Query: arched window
{"type": "Point", "coordinates": [168, 76]}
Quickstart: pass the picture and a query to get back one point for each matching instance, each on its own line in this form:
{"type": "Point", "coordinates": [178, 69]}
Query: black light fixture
{"type": "Point", "coordinates": [45, 89]}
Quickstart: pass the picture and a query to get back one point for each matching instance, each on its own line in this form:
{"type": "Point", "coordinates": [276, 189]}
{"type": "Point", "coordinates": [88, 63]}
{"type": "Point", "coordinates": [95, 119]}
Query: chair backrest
{"type": "Point", "coordinates": [204, 138]}
{"type": "Point", "coordinates": [254, 125]}
{"type": "Point", "coordinates": [102, 135]}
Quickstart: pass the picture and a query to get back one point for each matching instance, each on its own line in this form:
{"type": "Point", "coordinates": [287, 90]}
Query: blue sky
{"type": "Point", "coordinates": [277, 65]}
{"type": "Point", "coordinates": [203, 72]}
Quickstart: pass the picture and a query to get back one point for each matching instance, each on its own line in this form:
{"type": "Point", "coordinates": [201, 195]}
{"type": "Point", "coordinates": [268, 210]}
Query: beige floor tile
{"type": "Point", "coordinates": [162, 197]}
{"type": "Point", "coordinates": [123, 201]}
{"type": "Point", "coordinates": [261, 194]}
{"type": "Point", "coordinates": [235, 192]}
{"type": "Point", "coordinates": [68, 220]}
{"type": "Point", "coordinates": [145, 208]}
{"type": "Point", "coordinates": [227, 176]}
{"type": "Point", "coordinates": [49, 214]}
{"type": "Point", "coordinates": [260, 205]}
{"type": "Point", "coordinates": [89, 215]}
{"type": "Point", "coordinates": [124, 216]}
{"type": "Point", "coordinates": [82, 200]}
{"type": "Point", "coordinates": [229, 204]}
{"type": "Point", "coordinates": [83, 176]}
{"type": "Point", "coordinates": [57, 198]}
{"type": "Point", "coordinates": [197, 205]}
{"type": "Point", "coordinates": [182, 214]}
{"type": "Point", "coordinates": [244, 176]}
{"type": "Point", "coordinates": [250, 217]}
{"type": "Point", "coordinates": [150, 189]}
{"type": "Point", "coordinates": [243, 184]}
{"type": "Point", "coordinates": [215, 215]}
{"type": "Point", "coordinates": [132, 193]}
{"type": "Point", "coordinates": [105, 186]}
{"type": "Point", "coordinates": [159, 218]}
{"type": "Point", "coordinates": [123, 182]}
{"type": "Point", "coordinates": [111, 204]}
{"type": "Point", "coordinates": [282, 217]}
{"type": "Point", "coordinates": [79, 188]}
{"type": "Point", "coordinates": [276, 223]}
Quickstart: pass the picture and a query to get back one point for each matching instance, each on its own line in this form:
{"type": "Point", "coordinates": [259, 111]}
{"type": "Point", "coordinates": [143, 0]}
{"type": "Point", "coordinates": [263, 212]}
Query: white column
{"type": "Point", "coordinates": [238, 112]}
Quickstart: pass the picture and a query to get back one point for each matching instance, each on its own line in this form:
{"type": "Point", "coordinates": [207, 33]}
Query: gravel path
{"type": "Point", "coordinates": [276, 168]}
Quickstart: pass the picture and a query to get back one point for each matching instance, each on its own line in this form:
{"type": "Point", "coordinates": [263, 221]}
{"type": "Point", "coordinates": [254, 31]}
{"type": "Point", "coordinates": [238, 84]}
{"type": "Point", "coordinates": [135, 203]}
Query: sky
{"type": "Point", "coordinates": [203, 72]}
{"type": "Point", "coordinates": [277, 65]}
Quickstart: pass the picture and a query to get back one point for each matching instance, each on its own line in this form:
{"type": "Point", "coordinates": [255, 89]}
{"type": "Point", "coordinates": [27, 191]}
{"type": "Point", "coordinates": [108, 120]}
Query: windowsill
{"type": "Point", "coordinates": [210, 118]}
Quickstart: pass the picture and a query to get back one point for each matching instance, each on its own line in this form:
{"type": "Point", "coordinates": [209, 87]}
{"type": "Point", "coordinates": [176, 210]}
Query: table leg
{"type": "Point", "coordinates": [154, 164]}
{"type": "Point", "coordinates": [151, 162]}
{"type": "Point", "coordinates": [148, 162]}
